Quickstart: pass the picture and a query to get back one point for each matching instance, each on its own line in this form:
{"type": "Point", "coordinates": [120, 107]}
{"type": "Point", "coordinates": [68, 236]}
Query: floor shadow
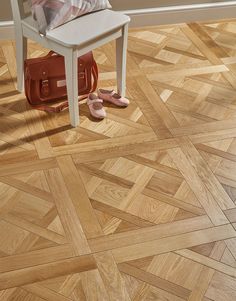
{"type": "Point", "coordinates": [32, 138]}
{"type": "Point", "coordinates": [7, 81]}
{"type": "Point", "coordinates": [8, 94]}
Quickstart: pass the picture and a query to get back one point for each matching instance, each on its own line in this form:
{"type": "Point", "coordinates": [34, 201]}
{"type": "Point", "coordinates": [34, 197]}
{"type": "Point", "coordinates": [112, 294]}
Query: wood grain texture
{"type": "Point", "coordinates": [140, 206]}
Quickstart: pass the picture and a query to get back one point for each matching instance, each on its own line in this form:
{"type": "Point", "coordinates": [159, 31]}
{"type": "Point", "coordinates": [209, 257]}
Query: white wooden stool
{"type": "Point", "coordinates": [71, 40]}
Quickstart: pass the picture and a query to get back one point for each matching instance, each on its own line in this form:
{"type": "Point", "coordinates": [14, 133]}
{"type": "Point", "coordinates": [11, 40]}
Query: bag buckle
{"type": "Point", "coordinates": [45, 87]}
{"type": "Point", "coordinates": [81, 75]}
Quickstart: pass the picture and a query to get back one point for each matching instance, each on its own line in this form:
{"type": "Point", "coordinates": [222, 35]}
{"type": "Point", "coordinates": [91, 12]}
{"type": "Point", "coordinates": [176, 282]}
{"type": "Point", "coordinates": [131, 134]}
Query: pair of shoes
{"type": "Point", "coordinates": [95, 103]}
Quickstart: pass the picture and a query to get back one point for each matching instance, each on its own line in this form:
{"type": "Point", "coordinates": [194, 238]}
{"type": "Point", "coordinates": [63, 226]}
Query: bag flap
{"type": "Point", "coordinates": [53, 66]}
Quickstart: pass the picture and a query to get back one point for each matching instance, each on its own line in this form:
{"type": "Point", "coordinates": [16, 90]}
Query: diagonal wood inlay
{"type": "Point", "coordinates": [140, 206]}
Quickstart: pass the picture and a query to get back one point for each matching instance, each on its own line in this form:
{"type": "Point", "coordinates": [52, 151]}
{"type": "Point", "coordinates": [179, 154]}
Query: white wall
{"type": "Point", "coordinates": [141, 19]}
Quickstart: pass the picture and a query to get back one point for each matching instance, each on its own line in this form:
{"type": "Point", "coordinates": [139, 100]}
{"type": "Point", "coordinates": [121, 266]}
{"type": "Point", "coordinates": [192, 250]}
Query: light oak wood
{"type": "Point", "coordinates": [46, 271]}
{"type": "Point", "coordinates": [79, 197]}
{"type": "Point", "coordinates": [139, 206]}
{"type": "Point", "coordinates": [67, 213]}
{"type": "Point", "coordinates": [165, 245]}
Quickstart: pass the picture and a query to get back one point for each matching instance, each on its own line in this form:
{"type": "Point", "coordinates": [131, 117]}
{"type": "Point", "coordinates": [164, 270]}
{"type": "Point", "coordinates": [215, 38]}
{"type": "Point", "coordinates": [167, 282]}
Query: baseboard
{"type": "Point", "coordinates": [181, 13]}
{"type": "Point", "coordinates": [7, 30]}
{"type": "Point", "coordinates": [160, 16]}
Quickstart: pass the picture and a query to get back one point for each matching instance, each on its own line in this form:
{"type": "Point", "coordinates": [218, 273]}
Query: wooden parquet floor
{"type": "Point", "coordinates": [140, 206]}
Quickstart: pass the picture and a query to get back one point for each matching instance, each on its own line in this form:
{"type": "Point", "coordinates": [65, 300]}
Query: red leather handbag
{"type": "Point", "coordinates": [45, 80]}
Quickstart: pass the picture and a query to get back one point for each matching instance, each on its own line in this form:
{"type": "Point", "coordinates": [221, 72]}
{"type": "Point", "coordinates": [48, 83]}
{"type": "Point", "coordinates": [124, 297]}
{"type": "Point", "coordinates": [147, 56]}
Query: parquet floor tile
{"type": "Point", "coordinates": [140, 206]}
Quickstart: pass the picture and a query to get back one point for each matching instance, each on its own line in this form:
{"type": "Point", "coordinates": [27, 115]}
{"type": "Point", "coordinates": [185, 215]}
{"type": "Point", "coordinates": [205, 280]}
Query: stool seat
{"type": "Point", "coordinates": [84, 29]}
{"type": "Point", "coordinates": [88, 27]}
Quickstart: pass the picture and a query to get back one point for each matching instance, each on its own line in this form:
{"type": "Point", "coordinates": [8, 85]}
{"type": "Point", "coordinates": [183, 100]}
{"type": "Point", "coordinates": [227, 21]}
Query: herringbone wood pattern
{"type": "Point", "coordinates": [140, 206]}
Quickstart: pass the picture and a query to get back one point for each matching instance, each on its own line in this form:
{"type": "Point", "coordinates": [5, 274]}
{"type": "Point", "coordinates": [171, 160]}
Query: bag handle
{"type": "Point", "coordinates": [52, 53]}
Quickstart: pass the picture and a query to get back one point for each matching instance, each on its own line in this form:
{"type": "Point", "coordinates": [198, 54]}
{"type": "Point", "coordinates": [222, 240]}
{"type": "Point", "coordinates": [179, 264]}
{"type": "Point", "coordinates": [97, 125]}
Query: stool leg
{"type": "Point", "coordinates": [21, 55]}
{"type": "Point", "coordinates": [72, 85]}
{"type": "Point", "coordinates": [121, 58]}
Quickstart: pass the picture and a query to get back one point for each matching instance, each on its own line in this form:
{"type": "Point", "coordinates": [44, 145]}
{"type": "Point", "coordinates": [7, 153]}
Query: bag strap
{"type": "Point", "coordinates": [57, 109]}
{"type": "Point", "coordinates": [95, 76]}
{"type": "Point", "coordinates": [51, 109]}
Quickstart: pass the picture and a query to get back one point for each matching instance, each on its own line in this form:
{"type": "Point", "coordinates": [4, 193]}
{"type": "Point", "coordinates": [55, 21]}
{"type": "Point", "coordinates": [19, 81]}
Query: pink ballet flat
{"type": "Point", "coordinates": [95, 106]}
{"type": "Point", "coordinates": [113, 97]}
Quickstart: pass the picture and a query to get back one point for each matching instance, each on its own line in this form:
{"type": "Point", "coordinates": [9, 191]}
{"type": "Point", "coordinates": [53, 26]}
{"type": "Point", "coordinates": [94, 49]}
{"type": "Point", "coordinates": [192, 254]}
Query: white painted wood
{"type": "Point", "coordinates": [78, 36]}
{"type": "Point", "coordinates": [121, 58]}
{"type": "Point", "coordinates": [21, 55]}
{"type": "Point", "coordinates": [21, 45]}
{"type": "Point", "coordinates": [7, 30]}
{"type": "Point", "coordinates": [72, 85]}
{"type": "Point", "coordinates": [88, 28]}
